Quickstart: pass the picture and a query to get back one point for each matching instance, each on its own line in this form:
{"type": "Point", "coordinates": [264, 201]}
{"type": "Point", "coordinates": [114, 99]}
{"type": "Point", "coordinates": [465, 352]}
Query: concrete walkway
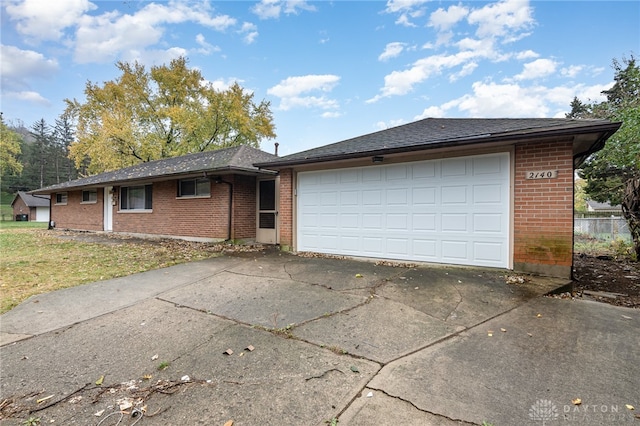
{"type": "Point", "coordinates": [316, 339]}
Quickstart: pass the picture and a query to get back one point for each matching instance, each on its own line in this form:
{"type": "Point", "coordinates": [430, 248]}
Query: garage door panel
{"type": "Point", "coordinates": [450, 211]}
{"type": "Point", "coordinates": [454, 194]}
{"type": "Point", "coordinates": [457, 167]}
{"type": "Point", "coordinates": [455, 250]}
{"type": "Point", "coordinates": [424, 196]}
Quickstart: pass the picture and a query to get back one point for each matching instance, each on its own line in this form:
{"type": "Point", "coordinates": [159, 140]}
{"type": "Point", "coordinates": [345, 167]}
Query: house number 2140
{"type": "Point", "coordinates": [542, 174]}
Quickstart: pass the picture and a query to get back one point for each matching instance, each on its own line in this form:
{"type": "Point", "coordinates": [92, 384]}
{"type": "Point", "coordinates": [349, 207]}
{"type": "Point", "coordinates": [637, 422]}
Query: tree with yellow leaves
{"type": "Point", "coordinates": [9, 150]}
{"type": "Point", "coordinates": [161, 113]}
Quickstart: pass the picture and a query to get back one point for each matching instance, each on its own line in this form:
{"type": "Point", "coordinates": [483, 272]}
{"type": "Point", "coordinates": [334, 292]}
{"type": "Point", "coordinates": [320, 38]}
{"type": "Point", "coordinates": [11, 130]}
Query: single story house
{"type": "Point", "coordinates": [597, 207]}
{"type": "Point", "coordinates": [208, 196]}
{"type": "Point", "coordinates": [482, 192]}
{"type": "Point", "coordinates": [28, 207]}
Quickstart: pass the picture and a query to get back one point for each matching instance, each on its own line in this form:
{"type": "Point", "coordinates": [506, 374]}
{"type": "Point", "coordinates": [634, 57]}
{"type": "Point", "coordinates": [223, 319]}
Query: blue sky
{"type": "Point", "coordinates": [331, 69]}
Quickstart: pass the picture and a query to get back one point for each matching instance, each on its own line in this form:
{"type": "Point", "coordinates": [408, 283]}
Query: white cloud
{"type": "Point", "coordinates": [291, 91]}
{"type": "Point", "coordinates": [431, 112]}
{"type": "Point", "coordinates": [205, 47]}
{"type": "Point", "coordinates": [507, 19]}
{"type": "Point", "coordinates": [537, 69]}
{"type": "Point", "coordinates": [391, 50]}
{"type": "Point", "coordinates": [443, 20]}
{"type": "Point", "coordinates": [526, 54]}
{"type": "Point", "coordinates": [402, 82]}
{"type": "Point", "coordinates": [490, 100]}
{"type": "Point", "coordinates": [250, 32]}
{"type": "Point", "coordinates": [31, 97]}
{"type": "Point", "coordinates": [330, 114]}
{"type": "Point", "coordinates": [407, 10]}
{"type": "Point", "coordinates": [46, 20]}
{"type": "Point", "coordinates": [383, 125]}
{"type": "Point", "coordinates": [394, 6]}
{"type": "Point", "coordinates": [271, 9]}
{"type": "Point", "coordinates": [222, 84]}
{"type": "Point", "coordinates": [105, 37]}
{"type": "Point", "coordinates": [18, 64]}
{"type": "Point", "coordinates": [18, 67]}
{"type": "Point", "coordinates": [467, 69]}
{"type": "Point", "coordinates": [572, 70]}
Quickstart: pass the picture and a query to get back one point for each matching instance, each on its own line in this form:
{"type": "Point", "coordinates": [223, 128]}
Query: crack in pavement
{"type": "Point", "coordinates": [457, 304]}
{"type": "Point", "coordinates": [464, 422]}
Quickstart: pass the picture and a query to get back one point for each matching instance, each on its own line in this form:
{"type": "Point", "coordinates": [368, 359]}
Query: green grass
{"type": "Point", "coordinates": [5, 205]}
{"type": "Point", "coordinates": [35, 260]}
{"type": "Point", "coordinates": [23, 225]}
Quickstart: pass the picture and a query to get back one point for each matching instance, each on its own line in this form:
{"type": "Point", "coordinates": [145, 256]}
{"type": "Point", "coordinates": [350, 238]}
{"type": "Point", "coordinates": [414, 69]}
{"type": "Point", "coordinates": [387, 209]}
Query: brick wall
{"type": "Point", "coordinates": [285, 212]}
{"type": "Point", "coordinates": [244, 204]}
{"type": "Point", "coordinates": [19, 207]}
{"type": "Point", "coordinates": [206, 217]}
{"type": "Point", "coordinates": [78, 215]}
{"type": "Point", "coordinates": [543, 209]}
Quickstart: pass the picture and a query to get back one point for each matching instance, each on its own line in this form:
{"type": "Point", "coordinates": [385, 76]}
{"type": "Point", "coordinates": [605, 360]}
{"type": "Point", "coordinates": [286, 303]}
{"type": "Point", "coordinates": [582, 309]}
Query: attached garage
{"type": "Point", "coordinates": [482, 192]}
{"type": "Point", "coordinates": [444, 211]}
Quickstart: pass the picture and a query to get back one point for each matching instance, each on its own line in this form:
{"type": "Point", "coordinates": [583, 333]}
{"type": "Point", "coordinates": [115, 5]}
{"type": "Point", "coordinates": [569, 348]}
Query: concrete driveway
{"type": "Point", "coordinates": [272, 338]}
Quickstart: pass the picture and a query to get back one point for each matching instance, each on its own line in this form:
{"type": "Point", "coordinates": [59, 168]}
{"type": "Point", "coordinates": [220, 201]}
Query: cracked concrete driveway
{"type": "Point", "coordinates": [316, 339]}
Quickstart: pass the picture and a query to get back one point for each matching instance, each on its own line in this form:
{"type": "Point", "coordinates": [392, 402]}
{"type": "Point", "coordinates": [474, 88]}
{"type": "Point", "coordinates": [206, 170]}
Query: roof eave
{"type": "Point", "coordinates": [206, 172]}
{"type": "Point", "coordinates": [607, 128]}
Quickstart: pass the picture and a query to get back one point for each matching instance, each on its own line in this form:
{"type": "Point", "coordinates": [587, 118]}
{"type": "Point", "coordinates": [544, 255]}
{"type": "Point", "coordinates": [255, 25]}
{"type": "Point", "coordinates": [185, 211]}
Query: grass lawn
{"type": "Point", "coordinates": [34, 260]}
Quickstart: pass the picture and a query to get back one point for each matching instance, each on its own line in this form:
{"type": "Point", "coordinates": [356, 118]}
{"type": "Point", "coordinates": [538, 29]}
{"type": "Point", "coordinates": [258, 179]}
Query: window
{"type": "Point", "coordinates": [90, 196]}
{"type": "Point", "coordinates": [135, 197]}
{"type": "Point", "coordinates": [61, 198]}
{"type": "Point", "coordinates": [199, 187]}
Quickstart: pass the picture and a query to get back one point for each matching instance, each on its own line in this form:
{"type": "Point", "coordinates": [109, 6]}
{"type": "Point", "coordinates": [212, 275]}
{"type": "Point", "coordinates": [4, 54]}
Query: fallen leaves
{"type": "Point", "coordinates": [100, 380]}
{"type": "Point", "coordinates": [576, 401]}
{"type": "Point", "coordinates": [46, 398]}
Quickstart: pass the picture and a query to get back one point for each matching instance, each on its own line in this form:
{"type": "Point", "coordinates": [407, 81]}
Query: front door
{"type": "Point", "coordinates": [108, 208]}
{"type": "Point", "coordinates": [267, 219]}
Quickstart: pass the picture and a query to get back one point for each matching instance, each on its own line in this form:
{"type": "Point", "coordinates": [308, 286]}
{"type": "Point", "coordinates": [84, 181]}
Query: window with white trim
{"type": "Point", "coordinates": [197, 187]}
{"type": "Point", "coordinates": [61, 198]}
{"type": "Point", "coordinates": [136, 197]}
{"type": "Point", "coordinates": [90, 196]}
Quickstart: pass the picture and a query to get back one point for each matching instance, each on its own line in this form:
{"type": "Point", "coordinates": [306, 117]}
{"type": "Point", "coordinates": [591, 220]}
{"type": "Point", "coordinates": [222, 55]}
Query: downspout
{"type": "Point", "coordinates": [218, 180]}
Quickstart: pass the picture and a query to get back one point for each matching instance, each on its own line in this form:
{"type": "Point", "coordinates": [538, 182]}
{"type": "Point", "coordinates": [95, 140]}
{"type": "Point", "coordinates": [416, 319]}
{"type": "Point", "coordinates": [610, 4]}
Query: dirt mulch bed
{"type": "Point", "coordinates": [605, 279]}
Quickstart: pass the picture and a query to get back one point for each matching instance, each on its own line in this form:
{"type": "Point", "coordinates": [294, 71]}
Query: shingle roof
{"type": "Point", "coordinates": [603, 206]}
{"type": "Point", "coordinates": [31, 201]}
{"type": "Point", "coordinates": [235, 159]}
{"type": "Point", "coordinates": [437, 132]}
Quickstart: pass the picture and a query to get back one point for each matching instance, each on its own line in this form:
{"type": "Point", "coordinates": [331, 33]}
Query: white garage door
{"type": "Point", "coordinates": [447, 211]}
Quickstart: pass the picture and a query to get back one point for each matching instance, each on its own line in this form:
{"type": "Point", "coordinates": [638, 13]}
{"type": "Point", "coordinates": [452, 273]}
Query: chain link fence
{"type": "Point", "coordinates": [603, 228]}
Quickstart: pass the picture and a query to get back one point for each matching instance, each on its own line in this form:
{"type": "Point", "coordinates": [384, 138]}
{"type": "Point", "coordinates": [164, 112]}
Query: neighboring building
{"type": "Point", "coordinates": [209, 196]}
{"type": "Point", "coordinates": [596, 207]}
{"type": "Point", "coordinates": [482, 192]}
{"type": "Point", "coordinates": [27, 207]}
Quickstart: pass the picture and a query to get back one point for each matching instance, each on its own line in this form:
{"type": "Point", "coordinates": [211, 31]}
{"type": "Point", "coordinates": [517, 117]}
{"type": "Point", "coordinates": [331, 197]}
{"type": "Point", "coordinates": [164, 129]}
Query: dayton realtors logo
{"type": "Point", "coordinates": [543, 411]}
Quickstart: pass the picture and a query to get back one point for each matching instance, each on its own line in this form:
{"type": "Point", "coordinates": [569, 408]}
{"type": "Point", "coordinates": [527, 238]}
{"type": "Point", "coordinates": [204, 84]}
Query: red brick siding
{"type": "Point", "coordinates": [184, 217]}
{"type": "Point", "coordinates": [543, 208]}
{"type": "Point", "coordinates": [244, 205]}
{"type": "Point", "coordinates": [19, 207]}
{"type": "Point", "coordinates": [75, 215]}
{"type": "Point", "coordinates": [285, 213]}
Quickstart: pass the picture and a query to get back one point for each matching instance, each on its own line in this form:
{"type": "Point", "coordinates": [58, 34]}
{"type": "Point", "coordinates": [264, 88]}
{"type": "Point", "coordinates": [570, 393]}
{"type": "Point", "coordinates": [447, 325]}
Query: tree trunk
{"type": "Point", "coordinates": [631, 211]}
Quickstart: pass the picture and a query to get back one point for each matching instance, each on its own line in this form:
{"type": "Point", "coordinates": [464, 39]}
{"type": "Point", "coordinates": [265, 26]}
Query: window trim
{"type": "Point", "coordinates": [195, 186]}
{"type": "Point", "coordinates": [148, 198]}
{"type": "Point", "coordinates": [90, 191]}
{"type": "Point", "coordinates": [66, 198]}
